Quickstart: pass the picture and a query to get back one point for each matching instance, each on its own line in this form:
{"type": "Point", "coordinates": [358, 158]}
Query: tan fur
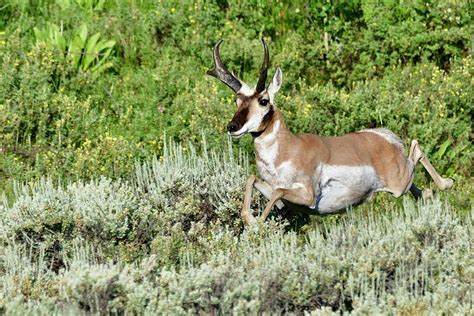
{"type": "Point", "coordinates": [307, 151]}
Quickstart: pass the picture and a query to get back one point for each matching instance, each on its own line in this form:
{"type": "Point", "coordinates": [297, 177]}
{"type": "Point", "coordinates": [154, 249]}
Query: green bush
{"type": "Point", "coordinates": [370, 70]}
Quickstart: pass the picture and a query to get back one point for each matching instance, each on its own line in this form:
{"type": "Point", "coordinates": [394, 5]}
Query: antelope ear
{"type": "Point", "coordinates": [276, 83]}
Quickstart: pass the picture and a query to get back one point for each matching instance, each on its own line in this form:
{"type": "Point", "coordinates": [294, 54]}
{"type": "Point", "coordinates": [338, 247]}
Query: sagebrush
{"type": "Point", "coordinates": [170, 240]}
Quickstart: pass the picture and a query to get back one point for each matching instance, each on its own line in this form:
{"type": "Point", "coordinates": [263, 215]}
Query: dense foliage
{"type": "Point", "coordinates": [89, 86]}
{"type": "Point", "coordinates": [92, 90]}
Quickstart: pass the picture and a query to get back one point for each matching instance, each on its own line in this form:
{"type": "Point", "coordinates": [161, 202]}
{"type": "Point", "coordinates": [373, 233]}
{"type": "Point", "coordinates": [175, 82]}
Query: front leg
{"type": "Point", "coordinates": [267, 192]}
{"type": "Point", "coordinates": [245, 214]}
{"type": "Point", "coordinates": [300, 194]}
{"type": "Point", "coordinates": [263, 188]}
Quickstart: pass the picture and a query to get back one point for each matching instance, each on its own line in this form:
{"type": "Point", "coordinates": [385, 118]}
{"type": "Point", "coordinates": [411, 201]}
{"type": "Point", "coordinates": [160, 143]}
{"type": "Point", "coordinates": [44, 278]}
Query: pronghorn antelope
{"type": "Point", "coordinates": [306, 172]}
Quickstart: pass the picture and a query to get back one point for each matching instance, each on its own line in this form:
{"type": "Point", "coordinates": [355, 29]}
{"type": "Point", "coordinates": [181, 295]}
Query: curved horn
{"type": "Point", "coordinates": [220, 72]}
{"type": "Point", "coordinates": [263, 69]}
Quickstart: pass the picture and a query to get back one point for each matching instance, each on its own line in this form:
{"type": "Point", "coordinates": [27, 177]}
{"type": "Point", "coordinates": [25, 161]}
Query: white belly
{"type": "Point", "coordinates": [336, 187]}
{"type": "Point", "coordinates": [342, 186]}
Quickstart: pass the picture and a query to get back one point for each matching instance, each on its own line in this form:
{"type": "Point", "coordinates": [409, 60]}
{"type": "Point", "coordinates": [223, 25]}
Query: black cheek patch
{"type": "Point", "coordinates": [265, 121]}
{"type": "Point", "coordinates": [268, 117]}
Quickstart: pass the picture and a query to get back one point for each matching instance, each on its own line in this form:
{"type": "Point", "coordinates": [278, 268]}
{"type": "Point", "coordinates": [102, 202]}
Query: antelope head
{"type": "Point", "coordinates": [255, 106]}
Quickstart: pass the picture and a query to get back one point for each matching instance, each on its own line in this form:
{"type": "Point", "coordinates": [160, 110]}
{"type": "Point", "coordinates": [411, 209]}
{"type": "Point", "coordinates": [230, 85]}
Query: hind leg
{"type": "Point", "coordinates": [417, 193]}
{"type": "Point", "coordinates": [416, 154]}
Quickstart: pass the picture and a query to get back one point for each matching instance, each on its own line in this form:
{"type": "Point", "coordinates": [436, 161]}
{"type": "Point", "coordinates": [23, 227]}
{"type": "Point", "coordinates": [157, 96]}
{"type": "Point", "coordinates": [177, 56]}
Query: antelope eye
{"type": "Point", "coordinates": [263, 102]}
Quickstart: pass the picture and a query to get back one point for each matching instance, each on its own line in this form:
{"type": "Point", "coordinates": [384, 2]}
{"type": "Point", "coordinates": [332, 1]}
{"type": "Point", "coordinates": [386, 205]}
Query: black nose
{"type": "Point", "coordinates": [232, 127]}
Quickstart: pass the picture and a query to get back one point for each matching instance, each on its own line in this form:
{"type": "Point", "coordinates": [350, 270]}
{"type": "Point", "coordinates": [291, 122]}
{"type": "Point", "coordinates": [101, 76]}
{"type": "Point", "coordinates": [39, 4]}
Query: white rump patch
{"type": "Point", "coordinates": [385, 133]}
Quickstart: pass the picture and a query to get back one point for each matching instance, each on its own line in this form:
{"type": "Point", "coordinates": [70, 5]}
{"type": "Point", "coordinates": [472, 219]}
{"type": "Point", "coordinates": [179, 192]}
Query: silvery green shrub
{"type": "Point", "coordinates": [169, 241]}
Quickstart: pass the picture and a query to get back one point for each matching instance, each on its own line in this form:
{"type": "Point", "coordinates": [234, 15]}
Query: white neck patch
{"type": "Point", "coordinates": [271, 137]}
{"type": "Point", "coordinates": [267, 153]}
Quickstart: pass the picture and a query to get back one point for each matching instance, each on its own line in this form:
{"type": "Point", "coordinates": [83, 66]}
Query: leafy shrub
{"type": "Point", "coordinates": [366, 61]}
{"type": "Point", "coordinates": [91, 5]}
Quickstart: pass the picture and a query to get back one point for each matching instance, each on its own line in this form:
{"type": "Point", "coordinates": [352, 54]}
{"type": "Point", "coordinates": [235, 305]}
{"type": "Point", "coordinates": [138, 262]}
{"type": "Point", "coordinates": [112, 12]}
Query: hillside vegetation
{"type": "Point", "coordinates": [121, 192]}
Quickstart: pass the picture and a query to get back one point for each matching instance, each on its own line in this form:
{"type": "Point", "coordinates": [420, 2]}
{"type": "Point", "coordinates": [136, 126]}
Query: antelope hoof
{"type": "Point", "coordinates": [447, 183]}
{"type": "Point", "coordinates": [427, 194]}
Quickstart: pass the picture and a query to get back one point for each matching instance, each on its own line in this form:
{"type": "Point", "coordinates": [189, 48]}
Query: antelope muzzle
{"type": "Point", "coordinates": [237, 123]}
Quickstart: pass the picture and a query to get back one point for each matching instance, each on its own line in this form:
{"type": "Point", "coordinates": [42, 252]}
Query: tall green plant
{"type": "Point", "coordinates": [89, 5]}
{"type": "Point", "coordinates": [90, 54]}
{"type": "Point", "coordinates": [52, 35]}
{"type": "Point", "coordinates": [87, 53]}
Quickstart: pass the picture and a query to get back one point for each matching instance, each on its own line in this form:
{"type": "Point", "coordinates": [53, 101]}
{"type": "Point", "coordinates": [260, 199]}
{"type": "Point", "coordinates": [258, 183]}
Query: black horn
{"type": "Point", "coordinates": [220, 72]}
{"type": "Point", "coordinates": [263, 69]}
